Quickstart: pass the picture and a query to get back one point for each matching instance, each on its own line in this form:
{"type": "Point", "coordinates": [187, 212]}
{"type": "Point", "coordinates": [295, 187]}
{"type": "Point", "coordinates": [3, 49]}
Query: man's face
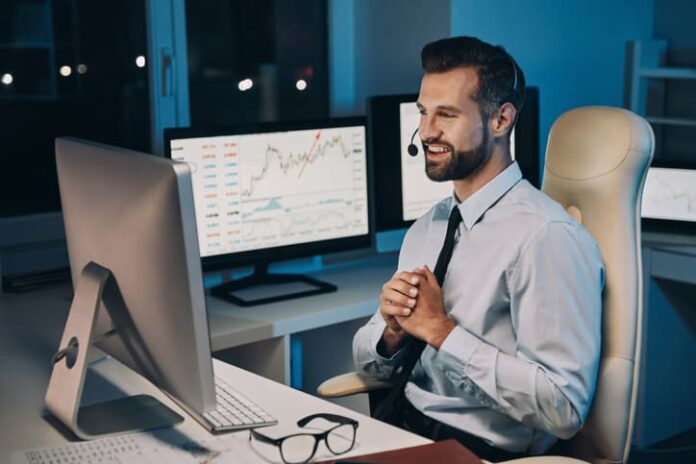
{"type": "Point", "coordinates": [454, 136]}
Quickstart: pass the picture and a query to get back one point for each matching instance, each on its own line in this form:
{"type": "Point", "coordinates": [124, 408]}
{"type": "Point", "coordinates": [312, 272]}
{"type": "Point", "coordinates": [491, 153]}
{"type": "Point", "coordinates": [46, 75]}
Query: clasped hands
{"type": "Point", "coordinates": [411, 304]}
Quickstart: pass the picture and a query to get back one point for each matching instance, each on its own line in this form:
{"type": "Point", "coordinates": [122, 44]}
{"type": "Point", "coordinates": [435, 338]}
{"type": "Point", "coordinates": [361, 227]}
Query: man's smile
{"type": "Point", "coordinates": [437, 151]}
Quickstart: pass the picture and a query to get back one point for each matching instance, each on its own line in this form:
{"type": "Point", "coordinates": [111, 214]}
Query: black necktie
{"type": "Point", "coordinates": [388, 410]}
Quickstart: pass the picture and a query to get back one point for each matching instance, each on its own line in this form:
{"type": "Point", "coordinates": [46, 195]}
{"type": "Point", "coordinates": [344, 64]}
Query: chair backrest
{"type": "Point", "coordinates": [596, 162]}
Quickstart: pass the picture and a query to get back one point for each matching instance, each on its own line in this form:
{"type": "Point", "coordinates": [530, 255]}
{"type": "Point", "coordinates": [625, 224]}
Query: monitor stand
{"type": "Point", "coordinates": [64, 393]}
{"type": "Point", "coordinates": [281, 287]}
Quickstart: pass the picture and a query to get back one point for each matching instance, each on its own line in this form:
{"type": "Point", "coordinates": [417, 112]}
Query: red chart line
{"type": "Point", "coordinates": [309, 153]}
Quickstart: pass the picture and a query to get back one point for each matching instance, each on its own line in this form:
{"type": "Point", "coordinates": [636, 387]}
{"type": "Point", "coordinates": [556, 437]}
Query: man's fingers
{"type": "Point", "coordinates": [396, 298]}
{"type": "Point", "coordinates": [391, 310]}
{"type": "Point", "coordinates": [420, 271]}
{"type": "Point", "coordinates": [407, 277]}
{"type": "Point", "coordinates": [425, 273]}
{"type": "Point", "coordinates": [401, 287]}
{"type": "Point", "coordinates": [403, 283]}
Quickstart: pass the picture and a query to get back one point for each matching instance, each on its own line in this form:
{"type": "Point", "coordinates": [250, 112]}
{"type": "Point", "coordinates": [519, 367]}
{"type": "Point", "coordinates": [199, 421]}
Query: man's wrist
{"type": "Point", "coordinates": [441, 332]}
{"type": "Point", "coordinates": [390, 342]}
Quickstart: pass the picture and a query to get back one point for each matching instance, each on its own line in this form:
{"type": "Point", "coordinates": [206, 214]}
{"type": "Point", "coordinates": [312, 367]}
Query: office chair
{"type": "Point", "coordinates": [596, 162]}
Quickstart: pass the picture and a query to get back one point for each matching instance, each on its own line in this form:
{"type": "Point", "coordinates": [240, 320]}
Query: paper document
{"type": "Point", "coordinates": [164, 446]}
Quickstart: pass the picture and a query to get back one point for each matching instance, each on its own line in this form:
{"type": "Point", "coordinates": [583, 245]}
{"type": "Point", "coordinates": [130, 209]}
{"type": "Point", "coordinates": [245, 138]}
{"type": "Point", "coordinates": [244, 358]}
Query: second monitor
{"type": "Point", "coordinates": [276, 191]}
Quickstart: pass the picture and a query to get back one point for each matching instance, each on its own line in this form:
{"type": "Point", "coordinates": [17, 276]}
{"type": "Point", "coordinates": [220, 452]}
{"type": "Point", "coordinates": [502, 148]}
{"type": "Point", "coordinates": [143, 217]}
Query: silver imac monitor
{"type": "Point", "coordinates": [135, 264]}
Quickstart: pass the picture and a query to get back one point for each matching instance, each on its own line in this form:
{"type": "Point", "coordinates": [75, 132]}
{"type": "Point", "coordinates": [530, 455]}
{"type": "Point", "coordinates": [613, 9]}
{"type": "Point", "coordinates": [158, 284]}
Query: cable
{"type": "Point", "coordinates": [73, 345]}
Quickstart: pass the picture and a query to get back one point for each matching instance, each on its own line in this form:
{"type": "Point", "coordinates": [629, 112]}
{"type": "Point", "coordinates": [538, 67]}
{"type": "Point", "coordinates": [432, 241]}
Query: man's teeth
{"type": "Point", "coordinates": [438, 149]}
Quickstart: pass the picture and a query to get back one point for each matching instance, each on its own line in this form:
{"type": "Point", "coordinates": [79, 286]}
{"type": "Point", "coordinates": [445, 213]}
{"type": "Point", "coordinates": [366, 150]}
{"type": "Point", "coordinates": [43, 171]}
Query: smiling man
{"type": "Point", "coordinates": [505, 331]}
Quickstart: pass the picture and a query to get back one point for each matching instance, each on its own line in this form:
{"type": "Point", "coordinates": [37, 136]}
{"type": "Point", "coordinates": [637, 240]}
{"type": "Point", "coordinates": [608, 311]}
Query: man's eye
{"type": "Point", "coordinates": [446, 115]}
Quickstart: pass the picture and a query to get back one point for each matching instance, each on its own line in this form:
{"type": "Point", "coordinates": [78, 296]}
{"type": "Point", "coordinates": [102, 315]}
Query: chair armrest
{"type": "Point", "coordinates": [350, 384]}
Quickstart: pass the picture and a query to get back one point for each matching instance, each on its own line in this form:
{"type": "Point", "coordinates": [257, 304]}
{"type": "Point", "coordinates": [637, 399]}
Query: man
{"type": "Point", "coordinates": [513, 334]}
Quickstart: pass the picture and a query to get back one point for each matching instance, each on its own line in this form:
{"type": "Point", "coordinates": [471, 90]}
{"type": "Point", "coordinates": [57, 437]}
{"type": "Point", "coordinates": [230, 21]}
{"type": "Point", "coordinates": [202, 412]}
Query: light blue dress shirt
{"type": "Point", "coordinates": [525, 288]}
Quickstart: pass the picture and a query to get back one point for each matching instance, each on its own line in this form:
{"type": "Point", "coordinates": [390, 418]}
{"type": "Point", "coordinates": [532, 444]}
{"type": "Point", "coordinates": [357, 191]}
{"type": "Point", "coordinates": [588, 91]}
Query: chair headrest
{"type": "Point", "coordinates": [592, 141]}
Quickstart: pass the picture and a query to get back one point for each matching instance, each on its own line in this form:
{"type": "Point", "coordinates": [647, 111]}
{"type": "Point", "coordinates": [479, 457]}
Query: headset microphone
{"type": "Point", "coordinates": [412, 147]}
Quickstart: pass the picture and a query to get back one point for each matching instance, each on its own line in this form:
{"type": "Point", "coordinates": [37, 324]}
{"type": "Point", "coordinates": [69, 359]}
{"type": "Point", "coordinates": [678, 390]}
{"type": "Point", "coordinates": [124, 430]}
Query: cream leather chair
{"type": "Point", "coordinates": [596, 162]}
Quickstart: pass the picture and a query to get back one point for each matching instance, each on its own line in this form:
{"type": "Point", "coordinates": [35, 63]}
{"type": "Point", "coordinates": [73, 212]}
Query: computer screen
{"type": "Point", "coordinates": [669, 197]}
{"type": "Point", "coordinates": [403, 192]}
{"type": "Point", "coordinates": [276, 191]}
{"type": "Point", "coordinates": [132, 214]}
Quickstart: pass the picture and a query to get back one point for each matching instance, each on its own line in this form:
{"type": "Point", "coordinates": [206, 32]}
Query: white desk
{"type": "Point", "coordinates": [269, 339]}
{"type": "Point", "coordinates": [30, 329]}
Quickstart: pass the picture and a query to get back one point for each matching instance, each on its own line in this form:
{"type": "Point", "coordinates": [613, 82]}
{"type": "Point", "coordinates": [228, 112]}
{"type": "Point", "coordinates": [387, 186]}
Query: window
{"type": "Point", "coordinates": [67, 67]}
{"type": "Point", "coordinates": [257, 60]}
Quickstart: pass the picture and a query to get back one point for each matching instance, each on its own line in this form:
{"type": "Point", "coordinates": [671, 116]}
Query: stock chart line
{"type": "Point", "coordinates": [309, 153]}
{"type": "Point", "coordinates": [292, 160]}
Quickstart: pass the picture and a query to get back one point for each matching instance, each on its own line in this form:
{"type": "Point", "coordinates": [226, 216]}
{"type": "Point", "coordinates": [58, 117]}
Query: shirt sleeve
{"type": "Point", "coordinates": [365, 354]}
{"type": "Point", "coordinates": [555, 306]}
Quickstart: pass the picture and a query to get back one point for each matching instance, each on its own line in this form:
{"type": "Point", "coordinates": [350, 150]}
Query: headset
{"type": "Point", "coordinates": [413, 148]}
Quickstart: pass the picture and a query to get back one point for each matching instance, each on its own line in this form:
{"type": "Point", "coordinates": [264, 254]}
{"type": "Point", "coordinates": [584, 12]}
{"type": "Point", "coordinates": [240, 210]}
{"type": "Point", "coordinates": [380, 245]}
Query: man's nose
{"type": "Point", "coordinates": [428, 130]}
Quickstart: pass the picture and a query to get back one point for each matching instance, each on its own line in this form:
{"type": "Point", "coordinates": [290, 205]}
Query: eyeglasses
{"type": "Point", "coordinates": [300, 447]}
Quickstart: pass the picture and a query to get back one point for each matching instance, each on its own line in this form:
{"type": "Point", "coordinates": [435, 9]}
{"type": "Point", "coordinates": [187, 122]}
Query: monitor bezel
{"type": "Point", "coordinates": [294, 251]}
{"type": "Point", "coordinates": [669, 226]}
{"type": "Point", "coordinates": [388, 187]}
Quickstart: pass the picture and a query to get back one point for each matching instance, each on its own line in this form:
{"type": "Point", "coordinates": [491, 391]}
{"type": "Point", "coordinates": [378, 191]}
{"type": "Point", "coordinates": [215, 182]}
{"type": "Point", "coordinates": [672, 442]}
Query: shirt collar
{"type": "Point", "coordinates": [473, 207]}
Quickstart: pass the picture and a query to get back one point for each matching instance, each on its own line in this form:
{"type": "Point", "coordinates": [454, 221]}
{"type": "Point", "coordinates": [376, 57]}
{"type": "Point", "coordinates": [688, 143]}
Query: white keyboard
{"type": "Point", "coordinates": [234, 411]}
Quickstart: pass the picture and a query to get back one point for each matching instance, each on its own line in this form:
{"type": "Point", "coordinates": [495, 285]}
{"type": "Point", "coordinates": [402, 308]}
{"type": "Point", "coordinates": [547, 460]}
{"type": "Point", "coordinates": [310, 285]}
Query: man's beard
{"type": "Point", "coordinates": [461, 163]}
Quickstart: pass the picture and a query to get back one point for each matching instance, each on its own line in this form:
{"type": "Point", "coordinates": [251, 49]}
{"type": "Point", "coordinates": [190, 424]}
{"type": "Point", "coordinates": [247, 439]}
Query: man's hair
{"type": "Point", "coordinates": [500, 79]}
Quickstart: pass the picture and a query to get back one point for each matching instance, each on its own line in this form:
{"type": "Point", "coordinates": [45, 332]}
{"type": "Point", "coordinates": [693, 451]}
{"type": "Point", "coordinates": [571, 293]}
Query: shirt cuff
{"type": "Point", "coordinates": [375, 338]}
{"type": "Point", "coordinates": [455, 352]}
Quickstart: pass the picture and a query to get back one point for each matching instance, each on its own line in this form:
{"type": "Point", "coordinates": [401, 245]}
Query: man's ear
{"type": "Point", "coordinates": [503, 119]}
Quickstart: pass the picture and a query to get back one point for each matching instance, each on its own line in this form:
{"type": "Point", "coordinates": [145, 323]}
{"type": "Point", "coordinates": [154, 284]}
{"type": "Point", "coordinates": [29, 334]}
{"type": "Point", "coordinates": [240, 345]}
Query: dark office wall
{"type": "Point", "coordinates": [573, 50]}
{"type": "Point", "coordinates": [375, 47]}
{"type": "Point", "coordinates": [674, 21]}
{"type": "Point", "coordinates": [389, 38]}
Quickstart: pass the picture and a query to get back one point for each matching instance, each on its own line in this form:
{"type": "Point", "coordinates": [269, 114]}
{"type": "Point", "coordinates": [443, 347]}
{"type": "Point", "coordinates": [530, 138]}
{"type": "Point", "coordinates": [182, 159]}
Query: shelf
{"type": "Point", "coordinates": [649, 78]}
{"type": "Point", "coordinates": [671, 121]}
{"type": "Point", "coordinates": [668, 73]}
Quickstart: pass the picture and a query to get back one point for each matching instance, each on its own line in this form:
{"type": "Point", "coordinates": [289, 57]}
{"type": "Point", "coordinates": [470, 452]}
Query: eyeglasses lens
{"type": "Point", "coordinates": [298, 448]}
{"type": "Point", "coordinates": [341, 439]}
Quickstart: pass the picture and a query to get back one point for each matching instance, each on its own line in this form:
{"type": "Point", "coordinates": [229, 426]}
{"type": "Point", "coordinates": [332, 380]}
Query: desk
{"type": "Point", "coordinates": [30, 328]}
{"type": "Point", "coordinates": [269, 339]}
{"type": "Point", "coordinates": [666, 403]}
